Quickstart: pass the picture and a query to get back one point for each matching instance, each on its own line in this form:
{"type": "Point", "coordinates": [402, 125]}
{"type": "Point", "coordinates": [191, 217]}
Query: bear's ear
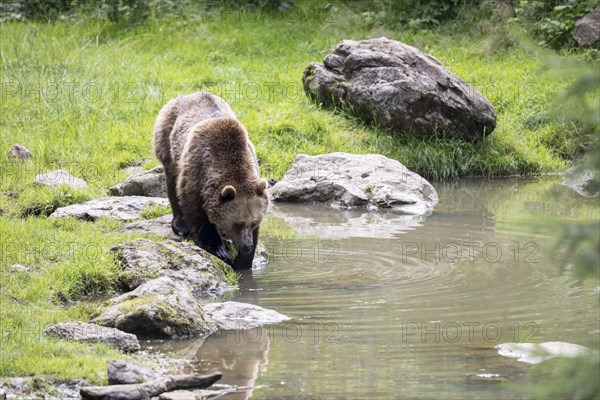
{"type": "Point", "coordinates": [261, 186]}
{"type": "Point", "coordinates": [227, 193]}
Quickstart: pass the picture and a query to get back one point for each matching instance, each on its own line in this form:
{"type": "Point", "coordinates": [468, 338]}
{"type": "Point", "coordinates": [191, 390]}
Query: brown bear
{"type": "Point", "coordinates": [211, 174]}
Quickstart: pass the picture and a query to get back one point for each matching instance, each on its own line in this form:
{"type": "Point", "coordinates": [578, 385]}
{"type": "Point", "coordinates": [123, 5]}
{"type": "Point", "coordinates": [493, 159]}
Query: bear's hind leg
{"type": "Point", "coordinates": [178, 223]}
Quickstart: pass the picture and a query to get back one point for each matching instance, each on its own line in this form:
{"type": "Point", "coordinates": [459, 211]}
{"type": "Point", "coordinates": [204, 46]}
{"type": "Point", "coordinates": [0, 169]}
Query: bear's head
{"type": "Point", "coordinates": [239, 212]}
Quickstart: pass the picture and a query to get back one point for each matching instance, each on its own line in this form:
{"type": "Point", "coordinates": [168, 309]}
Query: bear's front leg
{"type": "Point", "coordinates": [244, 261]}
{"type": "Point", "coordinates": [209, 238]}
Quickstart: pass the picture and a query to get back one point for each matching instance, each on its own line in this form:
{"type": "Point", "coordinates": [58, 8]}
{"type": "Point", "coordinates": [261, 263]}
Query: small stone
{"type": "Point", "coordinates": [20, 153]}
{"type": "Point", "coordinates": [19, 268]}
{"type": "Point", "coordinates": [234, 315]}
{"type": "Point", "coordinates": [59, 177]}
{"type": "Point", "coordinates": [85, 332]}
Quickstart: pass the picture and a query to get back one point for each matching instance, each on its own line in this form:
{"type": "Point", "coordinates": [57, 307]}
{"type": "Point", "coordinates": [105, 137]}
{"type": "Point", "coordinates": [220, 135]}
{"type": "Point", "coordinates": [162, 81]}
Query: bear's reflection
{"type": "Point", "coordinates": [239, 354]}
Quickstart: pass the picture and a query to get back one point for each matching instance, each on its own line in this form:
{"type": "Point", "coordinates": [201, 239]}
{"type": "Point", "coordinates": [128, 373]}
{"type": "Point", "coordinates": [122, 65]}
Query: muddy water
{"type": "Point", "coordinates": [391, 306]}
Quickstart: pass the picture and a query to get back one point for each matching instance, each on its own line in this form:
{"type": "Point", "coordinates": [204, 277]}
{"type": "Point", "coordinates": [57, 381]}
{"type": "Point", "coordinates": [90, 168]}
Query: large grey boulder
{"type": "Point", "coordinates": [160, 308]}
{"type": "Point", "coordinates": [150, 183]}
{"type": "Point", "coordinates": [85, 332]}
{"type": "Point", "coordinates": [143, 260]}
{"type": "Point", "coordinates": [355, 180]}
{"type": "Point", "coordinates": [234, 315]}
{"type": "Point", "coordinates": [587, 29]}
{"type": "Point", "coordinates": [120, 208]}
{"type": "Point", "coordinates": [399, 88]}
{"type": "Point", "coordinates": [59, 177]}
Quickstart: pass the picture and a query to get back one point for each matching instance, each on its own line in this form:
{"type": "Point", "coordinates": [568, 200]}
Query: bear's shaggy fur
{"type": "Point", "coordinates": [212, 175]}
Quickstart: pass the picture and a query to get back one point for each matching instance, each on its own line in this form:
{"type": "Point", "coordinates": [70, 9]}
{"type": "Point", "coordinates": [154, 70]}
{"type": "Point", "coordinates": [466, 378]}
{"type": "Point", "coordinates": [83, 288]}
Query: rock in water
{"type": "Point", "coordinates": [20, 153]}
{"type": "Point", "coordinates": [147, 183]}
{"type": "Point", "coordinates": [122, 372]}
{"type": "Point", "coordinates": [587, 29]}
{"type": "Point", "coordinates": [583, 181]}
{"type": "Point", "coordinates": [59, 177]}
{"type": "Point", "coordinates": [535, 353]}
{"type": "Point", "coordinates": [235, 315]}
{"type": "Point", "coordinates": [355, 180]}
{"type": "Point", "coordinates": [84, 332]}
{"type": "Point", "coordinates": [121, 208]}
{"type": "Point", "coordinates": [160, 308]}
{"type": "Point", "coordinates": [399, 88]}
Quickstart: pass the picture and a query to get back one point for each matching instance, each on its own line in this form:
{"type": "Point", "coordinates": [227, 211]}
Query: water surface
{"type": "Point", "coordinates": [394, 306]}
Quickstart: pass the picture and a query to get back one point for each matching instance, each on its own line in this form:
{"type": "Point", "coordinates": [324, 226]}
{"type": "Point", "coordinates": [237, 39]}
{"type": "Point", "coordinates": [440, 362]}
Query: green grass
{"type": "Point", "coordinates": [82, 95]}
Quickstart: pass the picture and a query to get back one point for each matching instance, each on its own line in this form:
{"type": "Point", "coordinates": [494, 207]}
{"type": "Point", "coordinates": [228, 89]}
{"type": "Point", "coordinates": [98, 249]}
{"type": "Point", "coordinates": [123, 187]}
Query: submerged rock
{"type": "Point", "coordinates": [59, 177]}
{"type": "Point", "coordinates": [150, 183]}
{"type": "Point", "coordinates": [233, 315]}
{"type": "Point", "coordinates": [143, 260]}
{"type": "Point", "coordinates": [586, 183]}
{"type": "Point", "coordinates": [160, 308]}
{"type": "Point", "coordinates": [84, 332]}
{"type": "Point", "coordinates": [355, 180]}
{"type": "Point", "coordinates": [399, 88]}
{"type": "Point", "coordinates": [587, 29]}
{"type": "Point", "coordinates": [535, 353]}
{"type": "Point", "coordinates": [122, 372]}
{"type": "Point", "coordinates": [121, 208]}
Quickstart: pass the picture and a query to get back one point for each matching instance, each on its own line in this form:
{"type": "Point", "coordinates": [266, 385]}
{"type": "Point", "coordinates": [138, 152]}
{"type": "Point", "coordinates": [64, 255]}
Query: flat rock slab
{"type": "Point", "coordinates": [233, 315]}
{"type": "Point", "coordinates": [150, 183]}
{"type": "Point", "coordinates": [353, 180]}
{"type": "Point", "coordinates": [160, 308]}
{"type": "Point", "coordinates": [535, 353]}
{"type": "Point", "coordinates": [399, 88]}
{"type": "Point", "coordinates": [162, 227]}
{"type": "Point", "coordinates": [121, 208]}
{"type": "Point", "coordinates": [587, 29]}
{"type": "Point", "coordinates": [121, 372]}
{"type": "Point", "coordinates": [85, 332]}
{"type": "Point", "coordinates": [143, 260]}
{"type": "Point", "coordinates": [59, 177]}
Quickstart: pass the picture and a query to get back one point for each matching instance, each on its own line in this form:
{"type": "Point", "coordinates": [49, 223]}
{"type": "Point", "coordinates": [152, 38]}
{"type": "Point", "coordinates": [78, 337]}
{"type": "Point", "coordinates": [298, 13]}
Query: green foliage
{"type": "Point", "coordinates": [551, 22]}
{"type": "Point", "coordinates": [562, 378]}
{"type": "Point", "coordinates": [43, 201]}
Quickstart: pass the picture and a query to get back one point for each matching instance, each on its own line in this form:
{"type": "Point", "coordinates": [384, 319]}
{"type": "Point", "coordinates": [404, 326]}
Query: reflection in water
{"type": "Point", "coordinates": [392, 306]}
{"type": "Point", "coordinates": [239, 354]}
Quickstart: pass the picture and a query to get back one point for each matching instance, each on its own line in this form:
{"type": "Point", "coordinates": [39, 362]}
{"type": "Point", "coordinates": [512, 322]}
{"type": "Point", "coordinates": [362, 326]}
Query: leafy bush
{"type": "Point", "coordinates": [552, 21]}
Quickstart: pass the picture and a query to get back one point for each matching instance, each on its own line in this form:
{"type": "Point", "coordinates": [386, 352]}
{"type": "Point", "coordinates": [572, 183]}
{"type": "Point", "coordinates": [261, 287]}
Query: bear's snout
{"type": "Point", "coordinates": [247, 248]}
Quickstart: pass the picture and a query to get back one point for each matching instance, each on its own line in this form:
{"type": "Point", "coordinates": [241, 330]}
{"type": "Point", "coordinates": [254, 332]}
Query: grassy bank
{"type": "Point", "coordinates": [83, 94]}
